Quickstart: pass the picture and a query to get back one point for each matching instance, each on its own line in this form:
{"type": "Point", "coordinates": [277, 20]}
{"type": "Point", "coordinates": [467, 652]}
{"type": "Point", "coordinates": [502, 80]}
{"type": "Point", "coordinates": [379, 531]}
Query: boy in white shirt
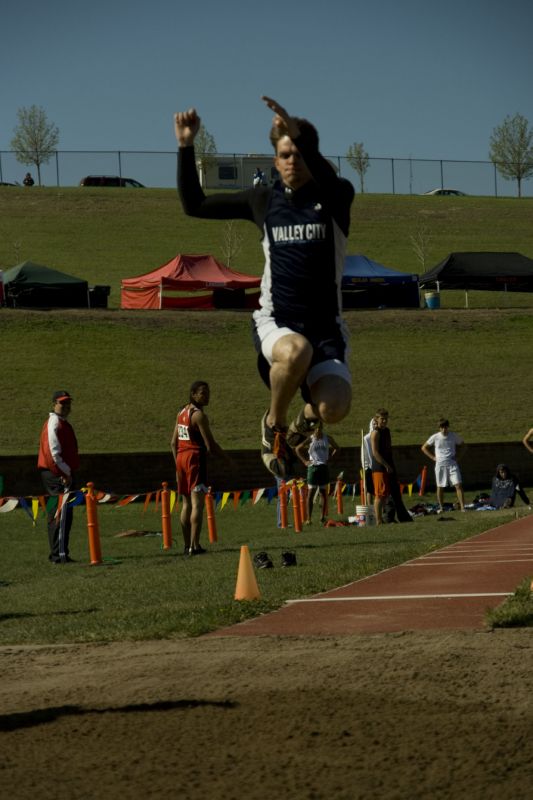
{"type": "Point", "coordinates": [446, 445]}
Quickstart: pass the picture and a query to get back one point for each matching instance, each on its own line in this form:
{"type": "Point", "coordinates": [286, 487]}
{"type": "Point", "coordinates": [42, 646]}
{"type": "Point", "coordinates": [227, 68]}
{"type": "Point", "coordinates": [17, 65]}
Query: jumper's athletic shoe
{"type": "Point", "coordinates": [300, 428]}
{"type": "Point", "coordinates": [263, 561]}
{"type": "Point", "coordinates": [288, 558]}
{"type": "Point", "coordinates": [275, 454]}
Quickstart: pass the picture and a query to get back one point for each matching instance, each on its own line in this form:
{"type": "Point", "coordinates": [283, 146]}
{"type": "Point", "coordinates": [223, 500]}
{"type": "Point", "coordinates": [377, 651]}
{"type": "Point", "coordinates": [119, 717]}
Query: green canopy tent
{"type": "Point", "coordinates": [30, 285]}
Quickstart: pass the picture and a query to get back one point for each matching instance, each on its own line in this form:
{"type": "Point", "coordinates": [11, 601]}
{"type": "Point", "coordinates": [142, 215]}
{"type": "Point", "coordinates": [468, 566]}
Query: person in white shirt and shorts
{"type": "Point", "coordinates": [446, 445]}
{"type": "Point", "coordinates": [315, 453]}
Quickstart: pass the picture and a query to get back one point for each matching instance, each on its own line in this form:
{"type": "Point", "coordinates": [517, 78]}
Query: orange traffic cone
{"type": "Point", "coordinates": [246, 588]}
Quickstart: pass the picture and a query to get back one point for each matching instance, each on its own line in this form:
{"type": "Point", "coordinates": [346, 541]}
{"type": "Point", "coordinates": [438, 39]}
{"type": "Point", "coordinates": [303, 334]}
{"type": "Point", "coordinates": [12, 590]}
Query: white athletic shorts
{"type": "Point", "coordinates": [448, 475]}
{"type": "Point", "coordinates": [328, 356]}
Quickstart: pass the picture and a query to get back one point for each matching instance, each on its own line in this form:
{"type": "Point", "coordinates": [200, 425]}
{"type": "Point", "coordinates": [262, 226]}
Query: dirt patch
{"type": "Point", "coordinates": [391, 716]}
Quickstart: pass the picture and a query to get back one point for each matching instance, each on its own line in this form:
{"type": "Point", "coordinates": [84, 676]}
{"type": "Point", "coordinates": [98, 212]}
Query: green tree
{"type": "Point", "coordinates": [511, 149]}
{"type": "Point", "coordinates": [36, 139]}
{"type": "Point", "coordinates": [205, 149]}
{"type": "Point", "coordinates": [357, 158]}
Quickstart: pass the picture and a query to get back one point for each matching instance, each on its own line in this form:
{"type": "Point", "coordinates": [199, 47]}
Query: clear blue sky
{"type": "Point", "coordinates": [407, 78]}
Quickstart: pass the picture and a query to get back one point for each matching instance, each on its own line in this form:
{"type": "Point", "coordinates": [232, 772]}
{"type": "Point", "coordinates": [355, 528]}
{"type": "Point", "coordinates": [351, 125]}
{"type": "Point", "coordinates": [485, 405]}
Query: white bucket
{"type": "Point", "coordinates": [365, 515]}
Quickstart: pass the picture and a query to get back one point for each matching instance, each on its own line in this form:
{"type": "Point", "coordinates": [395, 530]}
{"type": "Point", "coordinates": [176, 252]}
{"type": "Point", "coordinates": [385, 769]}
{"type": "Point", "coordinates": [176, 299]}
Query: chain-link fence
{"type": "Point", "coordinates": [158, 169]}
{"type": "Point", "coordinates": [69, 167]}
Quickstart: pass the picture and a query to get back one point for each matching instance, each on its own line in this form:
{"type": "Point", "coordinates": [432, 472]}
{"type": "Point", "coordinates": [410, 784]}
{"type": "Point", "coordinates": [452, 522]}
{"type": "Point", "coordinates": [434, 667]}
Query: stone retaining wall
{"type": "Point", "coordinates": [135, 473]}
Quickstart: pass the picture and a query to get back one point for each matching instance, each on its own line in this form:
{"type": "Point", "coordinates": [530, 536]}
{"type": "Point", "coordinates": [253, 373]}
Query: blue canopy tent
{"type": "Point", "coordinates": [367, 284]}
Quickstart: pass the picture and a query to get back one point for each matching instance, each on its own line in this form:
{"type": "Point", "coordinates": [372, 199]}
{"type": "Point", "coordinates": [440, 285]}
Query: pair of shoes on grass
{"type": "Point", "coordinates": [263, 561]}
{"type": "Point", "coordinates": [288, 558]}
{"type": "Point", "coordinates": [277, 444]}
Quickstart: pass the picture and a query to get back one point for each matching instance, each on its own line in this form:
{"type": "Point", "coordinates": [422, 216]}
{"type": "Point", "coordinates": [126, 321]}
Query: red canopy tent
{"type": "Point", "coordinates": [186, 273]}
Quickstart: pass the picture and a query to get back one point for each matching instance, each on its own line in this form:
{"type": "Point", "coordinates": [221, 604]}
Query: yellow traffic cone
{"type": "Point", "coordinates": [246, 588]}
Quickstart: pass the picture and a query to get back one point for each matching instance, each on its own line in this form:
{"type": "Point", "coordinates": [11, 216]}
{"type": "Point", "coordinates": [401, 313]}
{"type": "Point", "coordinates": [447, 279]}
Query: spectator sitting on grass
{"type": "Point", "coordinates": [505, 487]}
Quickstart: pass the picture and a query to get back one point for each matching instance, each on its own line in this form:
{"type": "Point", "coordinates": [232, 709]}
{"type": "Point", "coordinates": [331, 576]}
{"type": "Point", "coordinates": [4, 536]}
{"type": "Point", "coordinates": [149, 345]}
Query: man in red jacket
{"type": "Point", "coordinates": [58, 460]}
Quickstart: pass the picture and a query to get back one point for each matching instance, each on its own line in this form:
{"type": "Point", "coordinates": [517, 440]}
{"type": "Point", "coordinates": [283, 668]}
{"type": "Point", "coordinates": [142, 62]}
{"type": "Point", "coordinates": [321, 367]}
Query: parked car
{"type": "Point", "coordinates": [110, 180]}
{"type": "Point", "coordinates": [6, 183]}
{"type": "Point", "coordinates": [454, 192]}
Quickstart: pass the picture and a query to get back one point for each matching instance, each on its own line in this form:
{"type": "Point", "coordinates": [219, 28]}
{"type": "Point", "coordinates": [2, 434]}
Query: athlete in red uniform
{"type": "Point", "coordinates": [191, 442]}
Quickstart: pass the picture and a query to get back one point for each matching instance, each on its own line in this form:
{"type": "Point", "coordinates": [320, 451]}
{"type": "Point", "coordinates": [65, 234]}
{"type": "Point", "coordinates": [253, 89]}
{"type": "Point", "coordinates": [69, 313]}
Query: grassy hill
{"type": "Point", "coordinates": [104, 235]}
{"type": "Point", "coordinates": [128, 371]}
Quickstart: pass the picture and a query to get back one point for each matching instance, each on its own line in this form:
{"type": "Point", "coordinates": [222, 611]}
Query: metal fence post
{"type": "Point", "coordinates": [242, 172]}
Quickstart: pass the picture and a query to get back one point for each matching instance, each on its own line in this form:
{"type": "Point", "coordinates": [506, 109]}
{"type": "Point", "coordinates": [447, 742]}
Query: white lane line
{"type": "Point", "coordinates": [467, 562]}
{"type": "Point", "coordinates": [487, 547]}
{"type": "Point", "coordinates": [397, 597]}
{"type": "Point", "coordinates": [486, 554]}
{"type": "Point", "coordinates": [492, 549]}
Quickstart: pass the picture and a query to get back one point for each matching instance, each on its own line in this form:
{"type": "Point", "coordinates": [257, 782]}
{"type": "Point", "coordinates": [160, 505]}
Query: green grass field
{"type": "Point", "coordinates": [129, 371]}
{"type": "Point", "coordinates": [143, 592]}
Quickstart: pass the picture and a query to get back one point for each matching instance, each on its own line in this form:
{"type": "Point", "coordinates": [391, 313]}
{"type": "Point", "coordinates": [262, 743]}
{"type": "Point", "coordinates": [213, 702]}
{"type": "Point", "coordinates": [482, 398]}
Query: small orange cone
{"type": "Point", "coordinates": [246, 588]}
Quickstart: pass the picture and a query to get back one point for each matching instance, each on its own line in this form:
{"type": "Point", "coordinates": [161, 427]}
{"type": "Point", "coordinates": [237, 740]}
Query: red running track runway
{"type": "Point", "coordinates": [448, 589]}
